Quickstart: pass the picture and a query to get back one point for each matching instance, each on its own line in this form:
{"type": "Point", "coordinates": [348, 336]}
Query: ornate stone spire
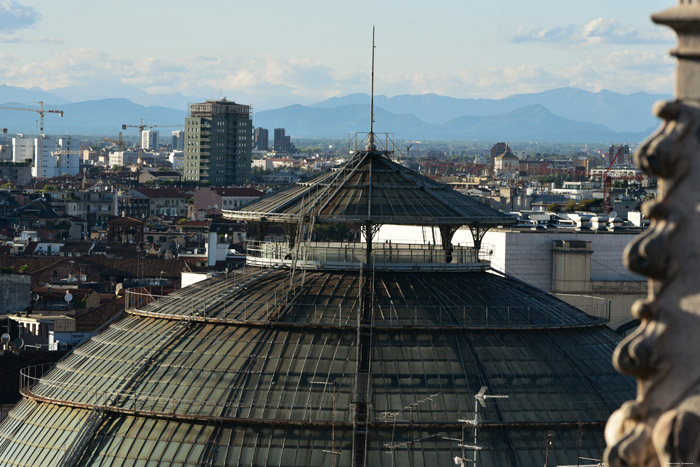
{"type": "Point", "coordinates": [662, 426]}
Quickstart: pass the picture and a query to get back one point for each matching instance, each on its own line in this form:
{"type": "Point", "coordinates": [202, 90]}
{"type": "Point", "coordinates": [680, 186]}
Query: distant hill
{"type": "Point", "coordinates": [14, 94]}
{"type": "Point", "coordinates": [533, 122]}
{"type": "Point", "coordinates": [93, 91]}
{"type": "Point", "coordinates": [300, 120]}
{"type": "Point", "coordinates": [620, 112]}
{"type": "Point", "coordinates": [562, 115]}
{"type": "Point", "coordinates": [97, 117]}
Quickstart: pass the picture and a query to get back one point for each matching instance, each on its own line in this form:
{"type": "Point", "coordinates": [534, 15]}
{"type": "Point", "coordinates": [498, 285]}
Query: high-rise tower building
{"type": "Point", "coordinates": [57, 157]}
{"type": "Point", "coordinates": [261, 138]}
{"type": "Point", "coordinates": [622, 158]}
{"type": "Point", "coordinates": [283, 143]}
{"type": "Point", "coordinates": [22, 149]}
{"type": "Point", "coordinates": [149, 140]}
{"type": "Point", "coordinates": [218, 143]}
{"type": "Point", "coordinates": [178, 140]}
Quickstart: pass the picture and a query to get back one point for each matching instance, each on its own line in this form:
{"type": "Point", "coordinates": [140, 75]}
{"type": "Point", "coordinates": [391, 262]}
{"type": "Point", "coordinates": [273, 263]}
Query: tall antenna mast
{"type": "Point", "coordinates": [370, 139]}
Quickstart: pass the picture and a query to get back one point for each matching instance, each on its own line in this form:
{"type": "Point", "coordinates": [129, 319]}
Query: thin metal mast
{"type": "Point", "coordinates": [370, 142]}
{"type": "Point", "coordinates": [362, 394]}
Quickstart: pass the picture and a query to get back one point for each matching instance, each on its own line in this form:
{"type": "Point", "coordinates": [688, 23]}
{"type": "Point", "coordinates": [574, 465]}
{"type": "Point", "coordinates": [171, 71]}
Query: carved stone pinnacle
{"type": "Point", "coordinates": [662, 426]}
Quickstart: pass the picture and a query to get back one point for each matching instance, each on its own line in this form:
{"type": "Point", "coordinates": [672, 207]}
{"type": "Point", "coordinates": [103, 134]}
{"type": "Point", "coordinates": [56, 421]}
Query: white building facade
{"type": "Point", "coordinates": [178, 140]}
{"type": "Point", "coordinates": [55, 157]}
{"type": "Point", "coordinates": [22, 149]}
{"type": "Point", "coordinates": [149, 140]}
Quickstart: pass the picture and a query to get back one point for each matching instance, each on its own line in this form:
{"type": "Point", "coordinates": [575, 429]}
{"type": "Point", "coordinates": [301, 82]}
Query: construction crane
{"type": "Point", "coordinates": [41, 111]}
{"type": "Point", "coordinates": [119, 142]}
{"type": "Point", "coordinates": [141, 126]}
{"type": "Point", "coordinates": [607, 184]}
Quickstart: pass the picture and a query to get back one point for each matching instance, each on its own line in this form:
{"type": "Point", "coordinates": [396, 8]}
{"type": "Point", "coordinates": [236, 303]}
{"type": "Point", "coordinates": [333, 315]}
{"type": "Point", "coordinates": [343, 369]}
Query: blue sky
{"type": "Point", "coordinates": [278, 52]}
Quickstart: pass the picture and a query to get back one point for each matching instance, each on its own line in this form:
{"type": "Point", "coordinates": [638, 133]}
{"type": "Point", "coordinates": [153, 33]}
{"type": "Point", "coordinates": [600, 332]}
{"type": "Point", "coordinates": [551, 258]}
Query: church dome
{"type": "Point", "coordinates": [507, 156]}
{"type": "Point", "coordinates": [313, 355]}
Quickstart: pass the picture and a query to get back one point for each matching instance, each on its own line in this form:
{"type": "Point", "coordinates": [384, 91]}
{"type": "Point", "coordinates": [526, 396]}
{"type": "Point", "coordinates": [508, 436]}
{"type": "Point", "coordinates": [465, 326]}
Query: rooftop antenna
{"type": "Point", "coordinates": [479, 399]}
{"type": "Point", "coordinates": [370, 138]}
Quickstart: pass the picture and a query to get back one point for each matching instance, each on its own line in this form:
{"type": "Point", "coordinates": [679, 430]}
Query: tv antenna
{"type": "Point", "coordinates": [392, 418]}
{"type": "Point", "coordinates": [479, 399]}
{"type": "Point", "coordinates": [332, 451]}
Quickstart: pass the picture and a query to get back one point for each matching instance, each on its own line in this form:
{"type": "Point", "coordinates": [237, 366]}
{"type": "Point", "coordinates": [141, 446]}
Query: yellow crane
{"type": "Point", "coordinates": [119, 142]}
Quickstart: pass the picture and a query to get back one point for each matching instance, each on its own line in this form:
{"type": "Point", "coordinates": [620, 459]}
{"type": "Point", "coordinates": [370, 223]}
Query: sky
{"type": "Point", "coordinates": [274, 53]}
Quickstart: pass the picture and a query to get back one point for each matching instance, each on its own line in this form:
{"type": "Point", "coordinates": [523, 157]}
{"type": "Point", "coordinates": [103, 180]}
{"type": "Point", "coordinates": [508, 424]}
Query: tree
{"type": "Point", "coordinates": [553, 207]}
{"type": "Point", "coordinates": [23, 269]}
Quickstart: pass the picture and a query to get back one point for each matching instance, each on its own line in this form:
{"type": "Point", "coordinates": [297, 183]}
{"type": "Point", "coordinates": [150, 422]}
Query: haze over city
{"type": "Point", "coordinates": [279, 53]}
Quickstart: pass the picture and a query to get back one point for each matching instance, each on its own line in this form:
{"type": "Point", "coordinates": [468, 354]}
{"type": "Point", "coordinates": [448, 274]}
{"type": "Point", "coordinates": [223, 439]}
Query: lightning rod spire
{"type": "Point", "coordinates": [370, 138]}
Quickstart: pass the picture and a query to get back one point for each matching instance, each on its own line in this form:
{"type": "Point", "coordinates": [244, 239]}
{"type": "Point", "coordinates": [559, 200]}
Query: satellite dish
{"type": "Point", "coordinates": [613, 214]}
{"type": "Point", "coordinates": [47, 285]}
{"type": "Point", "coordinates": [5, 338]}
{"type": "Point", "coordinates": [68, 297]}
{"type": "Point", "coordinates": [36, 297]}
{"type": "Point", "coordinates": [83, 278]}
{"type": "Point", "coordinates": [18, 343]}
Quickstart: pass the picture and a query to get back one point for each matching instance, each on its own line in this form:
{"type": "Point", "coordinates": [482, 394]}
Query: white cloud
{"type": "Point", "coordinates": [30, 40]}
{"type": "Point", "coordinates": [622, 71]}
{"type": "Point", "coordinates": [271, 82]}
{"type": "Point", "coordinates": [489, 82]}
{"type": "Point", "coordinates": [599, 30]}
{"type": "Point", "coordinates": [14, 16]}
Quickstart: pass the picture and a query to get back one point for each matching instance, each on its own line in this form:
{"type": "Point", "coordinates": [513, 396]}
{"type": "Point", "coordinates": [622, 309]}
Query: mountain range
{"type": "Point", "coordinates": [529, 123]}
{"type": "Point", "coordinates": [559, 115]}
{"type": "Point", "coordinates": [97, 117]}
{"type": "Point", "coordinates": [619, 112]}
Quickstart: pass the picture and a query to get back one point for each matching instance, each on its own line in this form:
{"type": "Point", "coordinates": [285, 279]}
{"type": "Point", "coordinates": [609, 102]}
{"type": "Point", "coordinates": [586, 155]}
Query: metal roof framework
{"type": "Point", "coordinates": [238, 381]}
{"type": "Point", "coordinates": [372, 188]}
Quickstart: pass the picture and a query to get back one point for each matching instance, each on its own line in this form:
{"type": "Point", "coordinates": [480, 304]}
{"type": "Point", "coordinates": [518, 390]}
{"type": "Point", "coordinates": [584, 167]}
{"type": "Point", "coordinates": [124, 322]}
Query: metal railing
{"type": "Point", "coordinates": [352, 255]}
{"type": "Point", "coordinates": [236, 311]}
{"type": "Point", "coordinates": [308, 406]}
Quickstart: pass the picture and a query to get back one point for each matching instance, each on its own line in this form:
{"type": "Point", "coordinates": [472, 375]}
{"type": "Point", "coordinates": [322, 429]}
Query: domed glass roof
{"type": "Point", "coordinates": [261, 368]}
{"type": "Point", "coordinates": [372, 188]}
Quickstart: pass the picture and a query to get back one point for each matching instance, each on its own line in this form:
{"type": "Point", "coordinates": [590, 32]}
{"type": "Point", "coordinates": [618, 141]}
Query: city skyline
{"type": "Point", "coordinates": [280, 53]}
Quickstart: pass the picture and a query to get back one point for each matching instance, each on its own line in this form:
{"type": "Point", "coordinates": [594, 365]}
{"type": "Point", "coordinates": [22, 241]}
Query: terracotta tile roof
{"type": "Point", "coordinates": [131, 267]}
{"type": "Point", "coordinates": [164, 173]}
{"type": "Point", "coordinates": [76, 247]}
{"type": "Point", "coordinates": [165, 192]}
{"type": "Point", "coordinates": [93, 319]}
{"type": "Point", "coordinates": [34, 263]}
{"type": "Point", "coordinates": [123, 221]}
{"type": "Point", "coordinates": [242, 192]}
{"type": "Point", "coordinates": [194, 224]}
